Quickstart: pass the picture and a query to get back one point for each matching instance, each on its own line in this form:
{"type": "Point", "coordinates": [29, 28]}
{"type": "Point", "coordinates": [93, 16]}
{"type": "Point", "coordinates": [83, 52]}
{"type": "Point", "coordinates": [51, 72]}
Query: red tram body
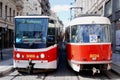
{"type": "Point", "coordinates": [42, 58]}
{"type": "Point", "coordinates": [84, 49]}
{"type": "Point", "coordinates": [35, 44]}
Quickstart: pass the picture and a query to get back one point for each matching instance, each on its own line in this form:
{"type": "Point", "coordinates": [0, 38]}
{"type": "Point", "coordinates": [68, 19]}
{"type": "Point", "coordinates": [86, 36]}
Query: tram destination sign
{"type": "Point", "coordinates": [30, 21]}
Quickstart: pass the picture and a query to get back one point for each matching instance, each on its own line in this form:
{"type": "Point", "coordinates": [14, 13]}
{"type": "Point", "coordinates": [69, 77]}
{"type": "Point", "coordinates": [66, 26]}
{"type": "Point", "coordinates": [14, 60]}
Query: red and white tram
{"type": "Point", "coordinates": [35, 43]}
{"type": "Point", "coordinates": [88, 43]}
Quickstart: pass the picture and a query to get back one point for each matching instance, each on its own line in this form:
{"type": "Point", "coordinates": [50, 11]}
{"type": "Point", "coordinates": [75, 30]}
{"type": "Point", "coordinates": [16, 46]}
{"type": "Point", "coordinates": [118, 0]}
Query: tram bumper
{"type": "Point", "coordinates": [40, 64]}
{"type": "Point", "coordinates": [95, 66]}
{"type": "Point", "coordinates": [75, 67]}
{"type": "Point", "coordinates": [21, 63]}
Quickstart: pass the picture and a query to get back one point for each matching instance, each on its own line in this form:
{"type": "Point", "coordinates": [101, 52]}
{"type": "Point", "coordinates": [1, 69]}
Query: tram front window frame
{"type": "Point", "coordinates": [30, 33]}
{"type": "Point", "coordinates": [90, 33]}
{"type": "Point", "coordinates": [51, 37]}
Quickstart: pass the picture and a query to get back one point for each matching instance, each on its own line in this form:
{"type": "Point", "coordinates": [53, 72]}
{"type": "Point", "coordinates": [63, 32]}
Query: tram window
{"type": "Point", "coordinates": [51, 31]}
{"type": "Point", "coordinates": [67, 34]}
{"type": "Point", "coordinates": [74, 31]}
{"type": "Point", "coordinates": [51, 38]}
{"type": "Point", "coordinates": [51, 21]}
{"type": "Point", "coordinates": [90, 33]}
{"type": "Point", "coordinates": [98, 39]}
{"type": "Point", "coordinates": [38, 34]}
{"type": "Point", "coordinates": [51, 35]}
{"type": "Point", "coordinates": [30, 32]}
{"type": "Point", "coordinates": [85, 34]}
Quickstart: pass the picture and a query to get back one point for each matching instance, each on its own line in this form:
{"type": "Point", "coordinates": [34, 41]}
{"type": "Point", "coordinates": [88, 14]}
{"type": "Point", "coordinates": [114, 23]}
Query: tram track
{"type": "Point", "coordinates": [79, 77]}
{"type": "Point", "coordinates": [42, 77]}
{"type": "Point", "coordinates": [24, 76]}
{"type": "Point", "coordinates": [111, 75]}
{"type": "Point", "coordinates": [15, 76]}
{"type": "Point", "coordinates": [84, 75]}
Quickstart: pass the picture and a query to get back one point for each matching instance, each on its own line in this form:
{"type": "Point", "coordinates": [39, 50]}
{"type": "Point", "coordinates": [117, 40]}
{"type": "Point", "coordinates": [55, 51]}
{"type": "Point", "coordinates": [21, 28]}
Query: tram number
{"type": "Point", "coordinates": [93, 38]}
{"type": "Point", "coordinates": [94, 55]}
{"type": "Point", "coordinates": [30, 56]}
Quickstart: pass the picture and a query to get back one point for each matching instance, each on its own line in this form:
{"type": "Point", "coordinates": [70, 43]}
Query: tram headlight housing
{"type": "Point", "coordinates": [22, 56]}
{"type": "Point", "coordinates": [42, 55]}
{"type": "Point", "coordinates": [18, 55]}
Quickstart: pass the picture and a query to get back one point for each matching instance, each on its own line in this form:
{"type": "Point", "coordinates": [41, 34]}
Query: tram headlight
{"type": "Point", "coordinates": [18, 55]}
{"type": "Point", "coordinates": [22, 56]}
{"type": "Point", "coordinates": [42, 55]}
{"type": "Point", "coordinates": [37, 56]}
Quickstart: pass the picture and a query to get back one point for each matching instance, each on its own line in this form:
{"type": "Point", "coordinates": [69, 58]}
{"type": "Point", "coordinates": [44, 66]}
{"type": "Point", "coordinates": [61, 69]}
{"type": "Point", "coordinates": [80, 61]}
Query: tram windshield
{"type": "Point", "coordinates": [90, 33]}
{"type": "Point", "coordinates": [30, 32]}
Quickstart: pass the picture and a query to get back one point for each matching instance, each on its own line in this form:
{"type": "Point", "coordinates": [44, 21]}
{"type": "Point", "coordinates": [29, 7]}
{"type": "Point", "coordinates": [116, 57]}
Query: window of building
{"type": "Point", "coordinates": [36, 8]}
{"type": "Point", "coordinates": [0, 9]}
{"type": "Point", "coordinates": [108, 8]}
{"type": "Point", "coordinates": [100, 11]}
{"type": "Point", "coordinates": [13, 12]}
{"type": "Point", "coordinates": [27, 13]}
{"type": "Point", "coordinates": [117, 5]}
{"type": "Point", "coordinates": [10, 14]}
{"type": "Point", "coordinates": [17, 13]}
{"type": "Point", "coordinates": [5, 11]}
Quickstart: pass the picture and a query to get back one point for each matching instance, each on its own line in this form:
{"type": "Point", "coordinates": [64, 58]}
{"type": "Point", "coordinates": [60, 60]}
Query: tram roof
{"type": "Point", "coordinates": [36, 17]}
{"type": "Point", "coordinates": [90, 20]}
{"type": "Point", "coordinates": [31, 17]}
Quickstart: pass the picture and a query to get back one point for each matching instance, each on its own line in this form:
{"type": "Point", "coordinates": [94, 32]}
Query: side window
{"type": "Point", "coordinates": [51, 34]}
{"type": "Point", "coordinates": [74, 33]}
{"type": "Point", "coordinates": [67, 34]}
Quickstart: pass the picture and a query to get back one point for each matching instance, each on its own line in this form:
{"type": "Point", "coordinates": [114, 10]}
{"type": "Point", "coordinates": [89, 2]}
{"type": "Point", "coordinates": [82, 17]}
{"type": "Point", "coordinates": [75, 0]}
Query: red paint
{"type": "Point", "coordinates": [86, 52]}
{"type": "Point", "coordinates": [50, 55]}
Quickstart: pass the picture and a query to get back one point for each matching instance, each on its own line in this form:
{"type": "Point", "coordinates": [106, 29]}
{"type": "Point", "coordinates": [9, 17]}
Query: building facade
{"type": "Point", "coordinates": [8, 9]}
{"type": "Point", "coordinates": [36, 7]}
{"type": "Point", "coordinates": [90, 6]}
{"type": "Point", "coordinates": [112, 11]}
{"type": "Point", "coordinates": [45, 6]}
{"type": "Point", "coordinates": [31, 7]}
